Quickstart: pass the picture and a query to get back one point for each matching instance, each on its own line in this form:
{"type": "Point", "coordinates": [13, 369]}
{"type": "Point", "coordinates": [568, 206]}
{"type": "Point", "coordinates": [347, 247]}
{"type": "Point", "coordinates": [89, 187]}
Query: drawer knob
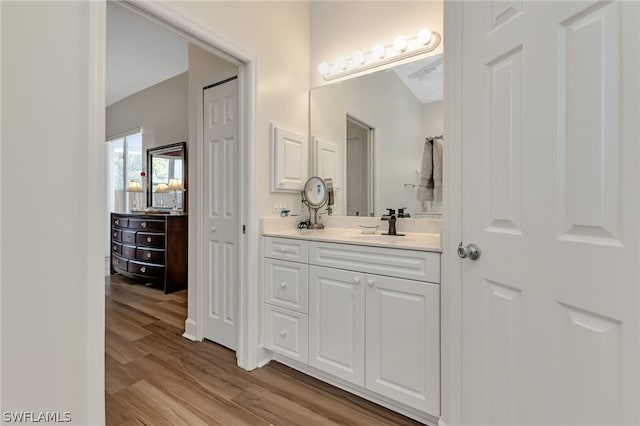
{"type": "Point", "coordinates": [148, 255]}
{"type": "Point", "coordinates": [144, 224]}
{"type": "Point", "coordinates": [370, 283]}
{"type": "Point", "coordinates": [283, 284]}
{"type": "Point", "coordinates": [117, 221]}
{"type": "Point", "coordinates": [148, 239]}
{"type": "Point", "coordinates": [143, 269]}
{"type": "Point", "coordinates": [114, 248]}
{"type": "Point", "coordinates": [116, 261]}
{"type": "Point", "coordinates": [115, 233]}
{"type": "Point", "coordinates": [356, 280]}
{"type": "Point", "coordinates": [283, 333]}
{"type": "Point", "coordinates": [213, 229]}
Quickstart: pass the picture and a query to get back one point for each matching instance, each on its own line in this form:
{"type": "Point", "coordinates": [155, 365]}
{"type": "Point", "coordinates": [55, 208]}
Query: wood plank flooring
{"type": "Point", "coordinates": [154, 376]}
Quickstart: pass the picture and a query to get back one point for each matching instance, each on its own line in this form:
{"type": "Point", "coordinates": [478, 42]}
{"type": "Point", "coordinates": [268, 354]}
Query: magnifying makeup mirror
{"type": "Point", "coordinates": [314, 196]}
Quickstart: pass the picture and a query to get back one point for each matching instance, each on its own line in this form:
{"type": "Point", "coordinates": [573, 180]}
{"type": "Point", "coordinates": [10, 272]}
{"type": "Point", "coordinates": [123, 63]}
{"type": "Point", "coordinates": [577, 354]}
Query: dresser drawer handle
{"type": "Point", "coordinates": [114, 248]}
{"type": "Point", "coordinates": [148, 239]}
{"type": "Point", "coordinates": [117, 221]}
{"type": "Point", "coordinates": [116, 262]}
{"type": "Point", "coordinates": [283, 284]}
{"type": "Point", "coordinates": [144, 224]}
{"type": "Point", "coordinates": [115, 233]}
{"type": "Point", "coordinates": [143, 269]}
{"type": "Point", "coordinates": [283, 333]}
{"type": "Point", "coordinates": [148, 255]}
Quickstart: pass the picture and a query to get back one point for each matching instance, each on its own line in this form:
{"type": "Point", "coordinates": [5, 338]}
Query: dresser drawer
{"type": "Point", "coordinates": [150, 255]}
{"type": "Point", "coordinates": [119, 263]}
{"type": "Point", "coordinates": [128, 251]}
{"type": "Point", "coordinates": [128, 237]}
{"type": "Point", "coordinates": [287, 284]}
{"type": "Point", "coordinates": [286, 249]}
{"type": "Point", "coordinates": [116, 247]}
{"type": "Point", "coordinates": [121, 222]}
{"type": "Point", "coordinates": [145, 269]}
{"type": "Point", "coordinates": [287, 333]}
{"type": "Point", "coordinates": [410, 264]}
{"type": "Point", "coordinates": [147, 224]}
{"type": "Point", "coordinates": [149, 239]}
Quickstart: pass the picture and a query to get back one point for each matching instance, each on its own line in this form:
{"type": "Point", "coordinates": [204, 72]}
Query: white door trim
{"type": "Point", "coordinates": [248, 321]}
{"type": "Point", "coordinates": [451, 229]}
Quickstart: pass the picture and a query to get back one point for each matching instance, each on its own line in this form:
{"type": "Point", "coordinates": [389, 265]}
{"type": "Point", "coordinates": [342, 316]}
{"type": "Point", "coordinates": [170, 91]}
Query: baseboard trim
{"type": "Point", "coordinates": [190, 330]}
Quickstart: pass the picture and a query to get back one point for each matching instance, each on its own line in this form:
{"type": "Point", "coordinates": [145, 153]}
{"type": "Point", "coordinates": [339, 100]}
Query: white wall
{"type": "Point", "coordinates": [47, 256]}
{"type": "Point", "coordinates": [160, 111]}
{"type": "Point", "coordinates": [339, 28]}
{"type": "Point", "coordinates": [277, 35]}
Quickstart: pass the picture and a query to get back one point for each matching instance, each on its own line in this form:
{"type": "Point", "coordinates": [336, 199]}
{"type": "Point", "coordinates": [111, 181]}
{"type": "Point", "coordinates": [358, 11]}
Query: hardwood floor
{"type": "Point", "coordinates": [154, 376]}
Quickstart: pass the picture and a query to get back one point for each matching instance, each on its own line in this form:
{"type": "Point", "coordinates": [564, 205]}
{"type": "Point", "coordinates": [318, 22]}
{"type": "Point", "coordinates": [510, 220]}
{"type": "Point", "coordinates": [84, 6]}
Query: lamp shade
{"type": "Point", "coordinates": [162, 187]}
{"type": "Point", "coordinates": [175, 185]}
{"type": "Point", "coordinates": [134, 186]}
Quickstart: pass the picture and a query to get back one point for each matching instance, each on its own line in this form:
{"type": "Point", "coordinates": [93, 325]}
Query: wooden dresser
{"type": "Point", "coordinates": [151, 248]}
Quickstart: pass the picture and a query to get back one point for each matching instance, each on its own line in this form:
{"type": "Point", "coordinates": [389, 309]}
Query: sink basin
{"type": "Point", "coordinates": [391, 239]}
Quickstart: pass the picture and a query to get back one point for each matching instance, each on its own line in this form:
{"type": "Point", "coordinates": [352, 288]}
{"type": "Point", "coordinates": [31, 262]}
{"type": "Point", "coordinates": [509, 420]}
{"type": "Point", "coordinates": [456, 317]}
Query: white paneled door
{"type": "Point", "coordinates": [221, 216]}
{"type": "Point", "coordinates": [550, 184]}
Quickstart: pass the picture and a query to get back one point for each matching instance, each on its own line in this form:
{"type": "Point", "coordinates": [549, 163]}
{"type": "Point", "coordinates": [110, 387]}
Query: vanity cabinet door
{"type": "Point", "coordinates": [336, 322]}
{"type": "Point", "coordinates": [402, 341]}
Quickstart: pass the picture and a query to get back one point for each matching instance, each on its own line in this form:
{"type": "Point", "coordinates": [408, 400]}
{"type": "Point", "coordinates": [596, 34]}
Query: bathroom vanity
{"type": "Point", "coordinates": [359, 311]}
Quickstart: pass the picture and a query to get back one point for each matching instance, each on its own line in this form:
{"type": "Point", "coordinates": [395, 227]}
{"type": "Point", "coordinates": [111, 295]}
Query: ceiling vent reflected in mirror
{"type": "Point", "coordinates": [425, 78]}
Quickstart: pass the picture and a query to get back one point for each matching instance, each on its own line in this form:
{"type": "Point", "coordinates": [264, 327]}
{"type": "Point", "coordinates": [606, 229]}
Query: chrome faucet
{"type": "Point", "coordinates": [391, 218]}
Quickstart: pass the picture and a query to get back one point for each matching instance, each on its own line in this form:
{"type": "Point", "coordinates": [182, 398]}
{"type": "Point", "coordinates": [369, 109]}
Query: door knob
{"type": "Point", "coordinates": [471, 251]}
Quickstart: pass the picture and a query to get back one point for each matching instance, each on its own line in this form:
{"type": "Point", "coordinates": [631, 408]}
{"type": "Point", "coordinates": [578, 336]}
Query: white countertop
{"type": "Point", "coordinates": [410, 241]}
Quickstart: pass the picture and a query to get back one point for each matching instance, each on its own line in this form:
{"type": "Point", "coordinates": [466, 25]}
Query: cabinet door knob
{"type": "Point", "coordinates": [213, 229]}
{"type": "Point", "coordinates": [148, 239]}
{"type": "Point", "coordinates": [144, 224]}
{"type": "Point", "coordinates": [283, 284]}
{"type": "Point", "coordinates": [370, 283]}
{"type": "Point", "coordinates": [356, 280]}
{"type": "Point", "coordinates": [143, 269]}
{"type": "Point", "coordinates": [283, 333]}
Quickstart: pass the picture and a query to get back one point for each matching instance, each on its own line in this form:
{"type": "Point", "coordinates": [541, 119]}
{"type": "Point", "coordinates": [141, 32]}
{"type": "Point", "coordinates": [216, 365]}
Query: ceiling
{"type": "Point", "coordinates": [139, 54]}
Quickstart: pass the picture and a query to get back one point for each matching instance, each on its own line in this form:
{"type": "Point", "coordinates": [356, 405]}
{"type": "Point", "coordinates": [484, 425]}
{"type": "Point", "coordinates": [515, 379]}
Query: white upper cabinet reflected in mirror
{"type": "Point", "coordinates": [375, 126]}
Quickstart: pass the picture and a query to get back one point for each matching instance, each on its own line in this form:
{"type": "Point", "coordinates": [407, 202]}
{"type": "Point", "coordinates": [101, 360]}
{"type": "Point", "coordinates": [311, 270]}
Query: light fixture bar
{"type": "Point", "coordinates": [401, 48]}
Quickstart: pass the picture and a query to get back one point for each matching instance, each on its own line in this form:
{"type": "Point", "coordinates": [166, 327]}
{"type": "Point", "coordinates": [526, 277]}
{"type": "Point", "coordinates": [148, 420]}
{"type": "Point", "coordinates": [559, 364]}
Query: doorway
{"type": "Point", "coordinates": [359, 174]}
{"type": "Point", "coordinates": [248, 240]}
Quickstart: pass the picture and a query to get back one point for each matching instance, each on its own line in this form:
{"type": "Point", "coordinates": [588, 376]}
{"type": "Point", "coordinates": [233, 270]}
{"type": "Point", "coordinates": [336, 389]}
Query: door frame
{"type": "Point", "coordinates": [451, 309]}
{"type": "Point", "coordinates": [174, 20]}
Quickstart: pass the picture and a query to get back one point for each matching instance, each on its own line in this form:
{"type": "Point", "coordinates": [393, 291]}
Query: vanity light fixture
{"type": "Point", "coordinates": [401, 48]}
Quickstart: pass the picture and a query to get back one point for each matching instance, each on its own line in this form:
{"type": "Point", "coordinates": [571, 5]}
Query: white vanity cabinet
{"type": "Point", "coordinates": [373, 321]}
{"type": "Point", "coordinates": [286, 288]}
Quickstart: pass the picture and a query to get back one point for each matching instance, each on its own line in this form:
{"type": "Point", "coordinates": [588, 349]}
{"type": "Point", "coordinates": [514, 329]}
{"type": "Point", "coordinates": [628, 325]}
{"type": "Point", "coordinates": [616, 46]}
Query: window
{"type": "Point", "coordinates": [124, 165]}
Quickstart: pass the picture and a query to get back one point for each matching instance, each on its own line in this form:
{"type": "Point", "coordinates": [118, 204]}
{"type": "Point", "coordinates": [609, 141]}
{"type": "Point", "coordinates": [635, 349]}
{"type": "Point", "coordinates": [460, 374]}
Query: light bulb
{"type": "Point", "coordinates": [378, 51]}
{"type": "Point", "coordinates": [400, 43]}
{"type": "Point", "coordinates": [324, 68]}
{"type": "Point", "coordinates": [341, 62]}
{"type": "Point", "coordinates": [357, 58]}
{"type": "Point", "coordinates": [424, 36]}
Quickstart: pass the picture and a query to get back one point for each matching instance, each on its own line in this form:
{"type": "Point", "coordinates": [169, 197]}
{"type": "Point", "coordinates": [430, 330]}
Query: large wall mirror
{"type": "Point", "coordinates": [167, 172]}
{"type": "Point", "coordinates": [368, 135]}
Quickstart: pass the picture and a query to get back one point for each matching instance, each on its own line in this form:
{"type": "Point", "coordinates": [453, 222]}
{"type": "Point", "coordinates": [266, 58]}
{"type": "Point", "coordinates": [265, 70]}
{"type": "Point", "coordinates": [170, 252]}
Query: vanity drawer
{"type": "Point", "coordinates": [145, 269]}
{"type": "Point", "coordinates": [150, 239]}
{"type": "Point", "coordinates": [129, 252]}
{"type": "Point", "coordinates": [120, 222]}
{"type": "Point", "coordinates": [129, 237]}
{"type": "Point", "coordinates": [147, 224]}
{"type": "Point", "coordinates": [287, 284]}
{"type": "Point", "coordinates": [287, 333]}
{"type": "Point", "coordinates": [286, 249]}
{"type": "Point", "coordinates": [410, 264]}
{"type": "Point", "coordinates": [150, 255]}
{"type": "Point", "coordinates": [119, 263]}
